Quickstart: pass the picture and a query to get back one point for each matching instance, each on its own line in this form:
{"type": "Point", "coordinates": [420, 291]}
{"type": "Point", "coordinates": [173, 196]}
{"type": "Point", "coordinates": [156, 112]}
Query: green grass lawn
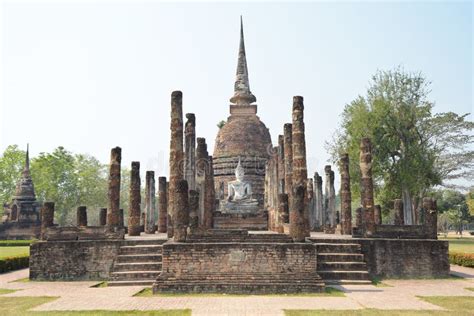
{"type": "Point", "coordinates": [461, 245]}
{"type": "Point", "coordinates": [9, 243]}
{"type": "Point", "coordinates": [10, 306]}
{"type": "Point", "coordinates": [147, 292]}
{"type": "Point", "coordinates": [6, 252]}
{"type": "Point", "coordinates": [454, 305]}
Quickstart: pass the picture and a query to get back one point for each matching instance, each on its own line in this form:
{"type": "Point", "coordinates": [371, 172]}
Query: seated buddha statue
{"type": "Point", "coordinates": [239, 196]}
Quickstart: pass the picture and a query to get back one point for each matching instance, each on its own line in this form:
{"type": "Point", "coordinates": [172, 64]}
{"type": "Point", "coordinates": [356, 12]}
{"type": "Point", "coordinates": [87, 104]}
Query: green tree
{"type": "Point", "coordinates": [12, 162]}
{"type": "Point", "coordinates": [55, 179]}
{"type": "Point", "coordinates": [412, 149]}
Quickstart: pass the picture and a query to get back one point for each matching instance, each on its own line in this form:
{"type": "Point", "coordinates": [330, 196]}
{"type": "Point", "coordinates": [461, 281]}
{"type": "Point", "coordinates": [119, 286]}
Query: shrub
{"type": "Point", "coordinates": [462, 259]}
{"type": "Point", "coordinates": [14, 263]}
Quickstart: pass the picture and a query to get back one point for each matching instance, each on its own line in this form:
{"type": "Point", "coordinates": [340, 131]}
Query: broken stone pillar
{"type": "Point", "coordinates": [210, 197]}
{"type": "Point", "coordinates": [311, 203]}
{"type": "Point", "coordinates": [329, 198]}
{"type": "Point", "coordinates": [359, 212]}
{"type": "Point", "coordinates": [377, 214]}
{"type": "Point", "coordinates": [81, 216]}
{"type": "Point", "coordinates": [150, 204]}
{"type": "Point", "coordinates": [103, 217]}
{"type": "Point", "coordinates": [190, 150]}
{"type": "Point", "coordinates": [367, 189]}
{"type": "Point", "coordinates": [193, 210]}
{"type": "Point", "coordinates": [297, 222]}
{"type": "Point", "coordinates": [121, 218]}
{"type": "Point", "coordinates": [283, 208]}
{"type": "Point", "coordinates": [346, 200]}
{"type": "Point", "coordinates": [176, 151]}
{"type": "Point", "coordinates": [181, 215]}
{"type": "Point", "coordinates": [398, 209]}
{"type": "Point", "coordinates": [281, 164]}
{"type": "Point", "coordinates": [318, 197]}
{"type": "Point", "coordinates": [202, 172]}
{"type": "Point", "coordinates": [288, 158]}
{"type": "Point", "coordinates": [162, 205]}
{"type": "Point", "coordinates": [134, 212]}
{"type": "Point", "coordinates": [47, 218]}
{"type": "Point", "coordinates": [114, 188]}
{"type": "Point", "coordinates": [300, 172]}
{"type": "Point", "coordinates": [430, 217]}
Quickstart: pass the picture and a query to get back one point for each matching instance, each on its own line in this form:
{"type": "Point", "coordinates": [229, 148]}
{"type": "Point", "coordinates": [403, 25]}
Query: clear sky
{"type": "Point", "coordinates": [93, 75]}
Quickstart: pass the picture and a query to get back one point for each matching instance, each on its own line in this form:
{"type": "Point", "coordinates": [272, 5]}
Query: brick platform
{"type": "Point", "coordinates": [239, 267]}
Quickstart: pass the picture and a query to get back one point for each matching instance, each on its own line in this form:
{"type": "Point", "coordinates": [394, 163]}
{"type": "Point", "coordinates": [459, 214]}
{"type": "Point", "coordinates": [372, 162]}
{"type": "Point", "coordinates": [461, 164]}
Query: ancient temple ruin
{"type": "Point", "coordinates": [21, 218]}
{"type": "Point", "coordinates": [247, 219]}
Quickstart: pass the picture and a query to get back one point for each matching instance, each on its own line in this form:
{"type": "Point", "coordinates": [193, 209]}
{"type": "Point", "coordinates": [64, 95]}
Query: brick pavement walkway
{"type": "Point", "coordinates": [402, 294]}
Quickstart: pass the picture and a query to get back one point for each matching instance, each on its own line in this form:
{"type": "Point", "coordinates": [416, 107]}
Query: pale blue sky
{"type": "Point", "coordinates": [96, 75]}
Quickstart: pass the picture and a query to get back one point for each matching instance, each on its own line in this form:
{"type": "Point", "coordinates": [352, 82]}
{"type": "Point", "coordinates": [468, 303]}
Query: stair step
{"type": "Point", "coordinates": [131, 283]}
{"type": "Point", "coordinates": [337, 248]}
{"type": "Point", "coordinates": [340, 257]}
{"type": "Point", "coordinates": [132, 242]}
{"type": "Point", "coordinates": [134, 275]}
{"type": "Point", "coordinates": [141, 249]}
{"type": "Point", "coordinates": [350, 266]}
{"type": "Point", "coordinates": [343, 275]}
{"type": "Point", "coordinates": [137, 266]}
{"type": "Point", "coordinates": [139, 258]}
{"type": "Point", "coordinates": [348, 282]}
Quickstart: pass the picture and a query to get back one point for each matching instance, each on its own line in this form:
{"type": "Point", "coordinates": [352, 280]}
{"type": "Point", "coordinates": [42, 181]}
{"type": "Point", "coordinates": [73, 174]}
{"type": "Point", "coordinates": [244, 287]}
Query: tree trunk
{"type": "Point", "coordinates": [407, 206]}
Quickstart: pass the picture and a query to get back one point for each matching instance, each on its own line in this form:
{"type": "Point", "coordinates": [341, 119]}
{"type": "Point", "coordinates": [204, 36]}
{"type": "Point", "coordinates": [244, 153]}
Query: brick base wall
{"type": "Point", "coordinates": [72, 260]}
{"type": "Point", "coordinates": [405, 258]}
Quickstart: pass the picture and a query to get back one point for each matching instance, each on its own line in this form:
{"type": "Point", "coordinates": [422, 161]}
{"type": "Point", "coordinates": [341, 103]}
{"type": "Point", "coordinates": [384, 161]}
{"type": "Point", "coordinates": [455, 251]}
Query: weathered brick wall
{"type": "Point", "coordinates": [403, 258]}
{"type": "Point", "coordinates": [185, 260]}
{"type": "Point", "coordinates": [72, 260]}
{"type": "Point", "coordinates": [20, 230]}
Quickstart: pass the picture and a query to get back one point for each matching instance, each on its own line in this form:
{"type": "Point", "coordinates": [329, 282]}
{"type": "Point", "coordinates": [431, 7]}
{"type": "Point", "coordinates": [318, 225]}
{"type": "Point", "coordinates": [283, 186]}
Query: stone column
{"type": "Point", "coordinates": [190, 150]}
{"type": "Point", "coordinates": [103, 217]}
{"type": "Point", "coordinates": [300, 172]}
{"type": "Point", "coordinates": [329, 209]}
{"type": "Point", "coordinates": [377, 214]}
{"type": "Point", "coordinates": [346, 200]}
{"type": "Point", "coordinates": [134, 212]}
{"type": "Point", "coordinates": [398, 208]}
{"type": "Point", "coordinates": [281, 164]}
{"type": "Point", "coordinates": [193, 210]}
{"type": "Point", "coordinates": [114, 188]}
{"type": "Point", "coordinates": [47, 218]}
{"type": "Point", "coordinates": [150, 206]}
{"type": "Point", "coordinates": [367, 189]}
{"type": "Point", "coordinates": [318, 191]}
{"type": "Point", "coordinates": [121, 218]}
{"type": "Point", "coordinates": [359, 212]}
{"type": "Point", "coordinates": [210, 197]}
{"type": "Point", "coordinates": [288, 158]}
{"type": "Point", "coordinates": [430, 217]}
{"type": "Point", "coordinates": [283, 208]}
{"type": "Point", "coordinates": [297, 222]}
{"type": "Point", "coordinates": [202, 171]}
{"type": "Point", "coordinates": [311, 203]}
{"type": "Point", "coordinates": [169, 222]}
{"type": "Point", "coordinates": [81, 216]}
{"type": "Point", "coordinates": [162, 205]}
{"type": "Point", "coordinates": [181, 215]}
{"type": "Point", "coordinates": [176, 150]}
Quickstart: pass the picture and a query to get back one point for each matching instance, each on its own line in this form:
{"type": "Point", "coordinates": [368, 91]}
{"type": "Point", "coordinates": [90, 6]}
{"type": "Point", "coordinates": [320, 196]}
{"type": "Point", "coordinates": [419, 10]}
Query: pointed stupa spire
{"type": "Point", "coordinates": [25, 189]}
{"type": "Point", "coordinates": [242, 94]}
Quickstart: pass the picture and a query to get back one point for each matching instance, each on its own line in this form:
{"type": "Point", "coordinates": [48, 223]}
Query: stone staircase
{"type": "Point", "coordinates": [341, 262]}
{"type": "Point", "coordinates": [138, 263]}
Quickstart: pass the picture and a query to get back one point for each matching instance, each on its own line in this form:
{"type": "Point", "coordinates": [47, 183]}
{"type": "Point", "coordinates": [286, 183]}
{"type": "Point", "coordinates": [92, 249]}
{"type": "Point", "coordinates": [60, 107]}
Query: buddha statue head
{"type": "Point", "coordinates": [239, 172]}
